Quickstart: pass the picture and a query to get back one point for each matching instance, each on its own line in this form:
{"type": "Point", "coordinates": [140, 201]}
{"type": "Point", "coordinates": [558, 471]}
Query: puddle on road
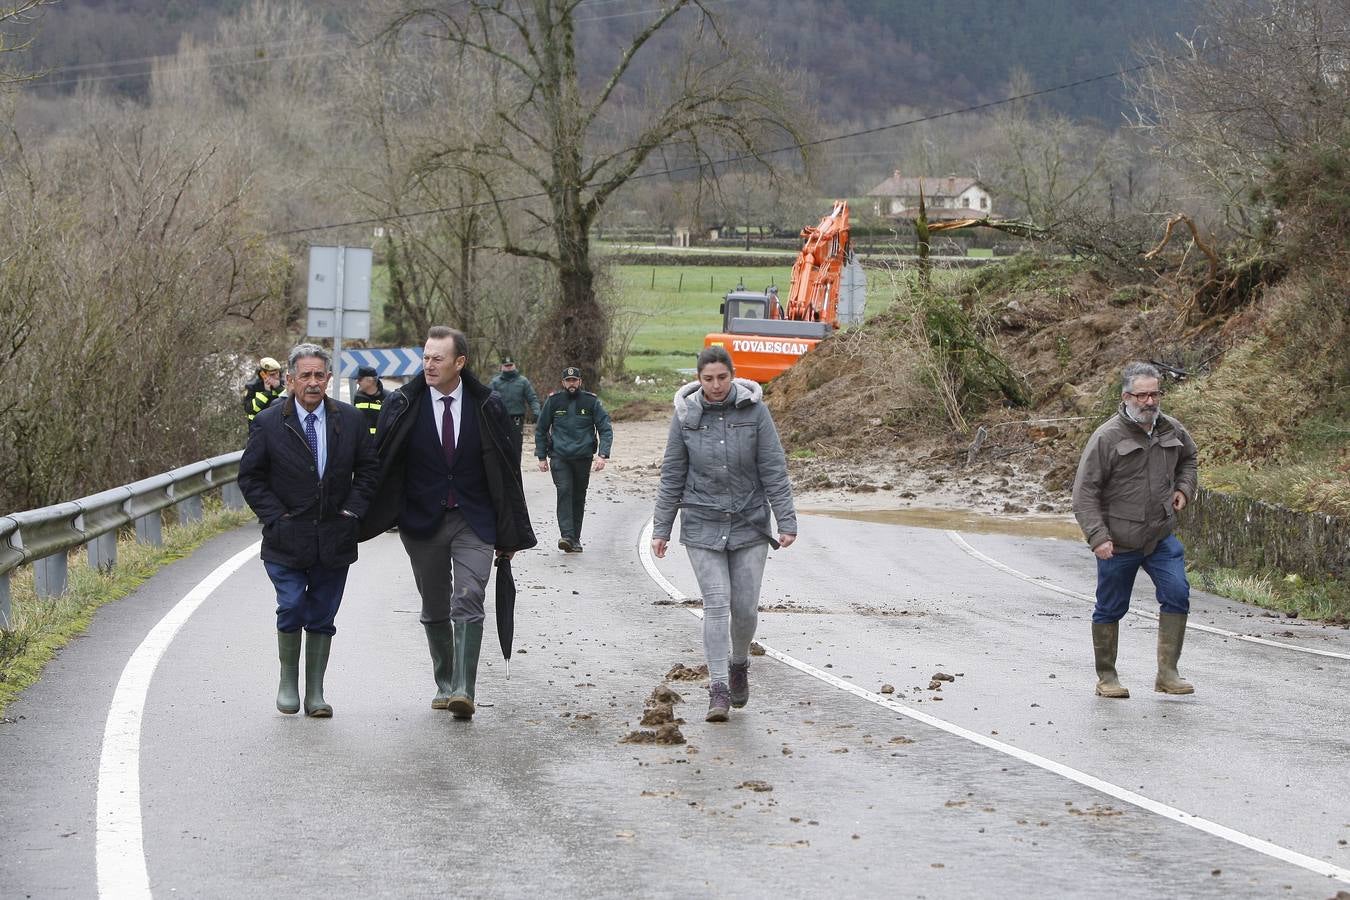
{"type": "Point", "coordinates": [961, 520]}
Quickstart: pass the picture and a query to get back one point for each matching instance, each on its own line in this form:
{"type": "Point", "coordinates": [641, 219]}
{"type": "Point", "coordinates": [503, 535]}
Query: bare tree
{"type": "Point", "coordinates": [20, 15]}
{"type": "Point", "coordinates": [151, 264]}
{"type": "Point", "coordinates": [1051, 165]}
{"type": "Point", "coordinates": [575, 144]}
{"type": "Point", "coordinates": [1255, 83]}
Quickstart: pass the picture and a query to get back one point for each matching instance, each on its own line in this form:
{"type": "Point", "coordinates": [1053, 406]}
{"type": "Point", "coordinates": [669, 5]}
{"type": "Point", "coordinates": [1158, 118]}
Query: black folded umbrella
{"type": "Point", "coordinates": [506, 605]}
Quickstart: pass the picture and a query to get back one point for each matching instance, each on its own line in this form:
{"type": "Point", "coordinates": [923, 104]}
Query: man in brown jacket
{"type": "Point", "coordinates": [1137, 472]}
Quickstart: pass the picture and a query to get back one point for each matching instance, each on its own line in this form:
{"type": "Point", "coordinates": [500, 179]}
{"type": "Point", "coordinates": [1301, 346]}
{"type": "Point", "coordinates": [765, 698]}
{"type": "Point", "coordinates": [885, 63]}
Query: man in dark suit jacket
{"type": "Point", "coordinates": [308, 472]}
{"type": "Point", "coordinates": [451, 482]}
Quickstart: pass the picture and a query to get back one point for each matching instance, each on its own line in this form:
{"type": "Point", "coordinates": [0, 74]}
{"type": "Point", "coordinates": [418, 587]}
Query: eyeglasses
{"type": "Point", "coordinates": [1145, 395]}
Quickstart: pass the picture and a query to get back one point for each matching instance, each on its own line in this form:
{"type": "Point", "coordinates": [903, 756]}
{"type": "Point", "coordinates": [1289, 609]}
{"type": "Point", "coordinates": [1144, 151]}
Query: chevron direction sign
{"type": "Point", "coordinates": [395, 361]}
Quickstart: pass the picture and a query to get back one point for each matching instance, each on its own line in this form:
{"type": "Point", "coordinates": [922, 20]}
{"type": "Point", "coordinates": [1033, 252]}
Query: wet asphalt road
{"type": "Point", "coordinates": [536, 794]}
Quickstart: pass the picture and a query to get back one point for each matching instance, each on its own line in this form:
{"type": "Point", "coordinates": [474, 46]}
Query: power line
{"type": "Point", "coordinates": [799, 145]}
{"type": "Point", "coordinates": [44, 79]}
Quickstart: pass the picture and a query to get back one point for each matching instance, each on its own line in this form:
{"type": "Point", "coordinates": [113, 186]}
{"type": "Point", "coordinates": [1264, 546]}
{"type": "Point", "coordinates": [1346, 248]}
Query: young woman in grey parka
{"type": "Point", "coordinates": [724, 467]}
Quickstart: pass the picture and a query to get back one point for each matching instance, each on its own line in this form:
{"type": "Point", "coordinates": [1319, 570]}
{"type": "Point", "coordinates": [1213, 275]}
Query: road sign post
{"type": "Point", "coordinates": [338, 295]}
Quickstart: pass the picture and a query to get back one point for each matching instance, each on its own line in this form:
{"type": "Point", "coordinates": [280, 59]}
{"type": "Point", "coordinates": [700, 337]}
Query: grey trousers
{"type": "Point", "coordinates": [451, 567]}
{"type": "Point", "coordinates": [730, 581]}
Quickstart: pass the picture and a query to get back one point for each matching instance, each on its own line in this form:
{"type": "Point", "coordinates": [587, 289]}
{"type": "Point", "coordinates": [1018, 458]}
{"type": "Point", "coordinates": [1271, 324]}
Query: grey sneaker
{"type": "Point", "coordinates": [719, 702]}
{"type": "Point", "coordinates": [576, 547]}
{"type": "Point", "coordinates": [740, 684]}
{"type": "Point", "coordinates": [565, 544]}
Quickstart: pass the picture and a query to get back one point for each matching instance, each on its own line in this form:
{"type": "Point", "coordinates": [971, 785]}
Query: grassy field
{"type": "Point", "coordinates": [676, 306]}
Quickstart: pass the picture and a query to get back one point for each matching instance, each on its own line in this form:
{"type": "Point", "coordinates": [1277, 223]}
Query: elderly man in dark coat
{"type": "Point", "coordinates": [308, 472]}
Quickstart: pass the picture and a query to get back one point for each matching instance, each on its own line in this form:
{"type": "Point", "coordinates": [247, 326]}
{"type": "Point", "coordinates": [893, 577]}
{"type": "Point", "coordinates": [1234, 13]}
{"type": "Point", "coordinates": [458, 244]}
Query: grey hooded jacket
{"type": "Point", "coordinates": [724, 466]}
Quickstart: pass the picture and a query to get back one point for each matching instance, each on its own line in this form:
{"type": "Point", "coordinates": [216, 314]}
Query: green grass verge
{"type": "Point", "coordinates": [42, 627]}
{"type": "Point", "coordinates": [1322, 601]}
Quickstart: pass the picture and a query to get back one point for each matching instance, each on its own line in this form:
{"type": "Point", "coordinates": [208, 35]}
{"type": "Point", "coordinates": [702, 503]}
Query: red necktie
{"type": "Point", "coordinates": [448, 445]}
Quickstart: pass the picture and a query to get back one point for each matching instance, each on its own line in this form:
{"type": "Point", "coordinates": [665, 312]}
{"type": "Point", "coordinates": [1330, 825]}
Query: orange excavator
{"type": "Point", "coordinates": [828, 289]}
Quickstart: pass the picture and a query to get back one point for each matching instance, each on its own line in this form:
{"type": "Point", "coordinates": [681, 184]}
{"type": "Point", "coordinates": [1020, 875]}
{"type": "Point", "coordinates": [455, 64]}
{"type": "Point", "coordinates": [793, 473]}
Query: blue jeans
{"type": "Point", "coordinates": [307, 598]}
{"type": "Point", "coordinates": [1166, 565]}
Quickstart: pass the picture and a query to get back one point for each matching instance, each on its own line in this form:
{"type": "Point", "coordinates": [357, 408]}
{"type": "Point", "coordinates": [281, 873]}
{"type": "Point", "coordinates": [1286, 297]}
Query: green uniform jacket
{"type": "Point", "coordinates": [517, 393]}
{"type": "Point", "coordinates": [568, 427]}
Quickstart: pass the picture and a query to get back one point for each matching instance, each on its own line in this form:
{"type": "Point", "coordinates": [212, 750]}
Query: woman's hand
{"type": "Point", "coordinates": [659, 548]}
{"type": "Point", "coordinates": [785, 540]}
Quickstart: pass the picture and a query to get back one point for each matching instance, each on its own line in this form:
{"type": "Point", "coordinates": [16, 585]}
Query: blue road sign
{"type": "Point", "coordinates": [398, 362]}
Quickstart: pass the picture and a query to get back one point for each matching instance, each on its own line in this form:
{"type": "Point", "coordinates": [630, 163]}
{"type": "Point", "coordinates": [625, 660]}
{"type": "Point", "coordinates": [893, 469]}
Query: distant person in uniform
{"type": "Point", "coordinates": [519, 398]}
{"type": "Point", "coordinates": [264, 390]}
{"type": "Point", "coordinates": [370, 394]}
{"type": "Point", "coordinates": [449, 482]}
{"type": "Point", "coordinates": [1136, 473]}
{"type": "Point", "coordinates": [573, 429]}
{"type": "Point", "coordinates": [308, 472]}
{"type": "Point", "coordinates": [724, 466]}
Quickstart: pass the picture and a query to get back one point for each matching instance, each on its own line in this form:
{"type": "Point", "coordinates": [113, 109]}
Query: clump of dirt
{"type": "Point", "coordinates": [660, 714]}
{"type": "Point", "coordinates": [691, 602]}
{"type": "Point", "coordinates": [756, 648]}
{"type": "Point", "coordinates": [681, 672]}
{"type": "Point", "coordinates": [664, 734]}
{"type": "Point", "coordinates": [755, 785]}
{"type": "Point", "coordinates": [790, 606]}
{"type": "Point", "coordinates": [663, 693]}
{"type": "Point", "coordinates": [659, 711]}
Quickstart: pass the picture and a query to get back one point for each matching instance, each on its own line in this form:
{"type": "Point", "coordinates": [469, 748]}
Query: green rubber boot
{"type": "Point", "coordinates": [441, 643]}
{"type": "Point", "coordinates": [468, 641]}
{"type": "Point", "coordinates": [1171, 635]}
{"type": "Point", "coordinates": [1105, 639]}
{"type": "Point", "coordinates": [288, 692]}
{"type": "Point", "coordinates": [316, 662]}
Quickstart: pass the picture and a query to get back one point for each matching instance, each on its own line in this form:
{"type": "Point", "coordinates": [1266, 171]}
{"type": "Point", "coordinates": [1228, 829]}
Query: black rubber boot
{"type": "Point", "coordinates": [468, 642]}
{"type": "Point", "coordinates": [288, 692]}
{"type": "Point", "coordinates": [441, 643]}
{"type": "Point", "coordinates": [316, 663]}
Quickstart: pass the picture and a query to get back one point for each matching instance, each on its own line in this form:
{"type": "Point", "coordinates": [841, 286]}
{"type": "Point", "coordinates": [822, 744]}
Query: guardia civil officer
{"type": "Point", "coordinates": [518, 397]}
{"type": "Point", "coordinates": [370, 394]}
{"type": "Point", "coordinates": [573, 429]}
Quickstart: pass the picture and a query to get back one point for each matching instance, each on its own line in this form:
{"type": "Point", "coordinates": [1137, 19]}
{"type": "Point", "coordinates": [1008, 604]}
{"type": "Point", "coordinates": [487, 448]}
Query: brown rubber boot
{"type": "Point", "coordinates": [1105, 638]}
{"type": "Point", "coordinates": [1171, 635]}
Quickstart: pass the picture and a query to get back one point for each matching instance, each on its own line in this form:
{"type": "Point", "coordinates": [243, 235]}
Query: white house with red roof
{"type": "Point", "coordinates": [945, 198]}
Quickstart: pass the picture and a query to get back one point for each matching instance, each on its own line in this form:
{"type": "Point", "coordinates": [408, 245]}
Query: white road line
{"type": "Point", "coordinates": [1284, 854]}
{"type": "Point", "coordinates": [1142, 613]}
{"type": "Point", "coordinates": [119, 850]}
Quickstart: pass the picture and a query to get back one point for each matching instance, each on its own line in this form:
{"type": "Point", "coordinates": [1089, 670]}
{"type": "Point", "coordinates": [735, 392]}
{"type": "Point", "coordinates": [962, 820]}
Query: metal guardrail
{"type": "Point", "coordinates": [44, 537]}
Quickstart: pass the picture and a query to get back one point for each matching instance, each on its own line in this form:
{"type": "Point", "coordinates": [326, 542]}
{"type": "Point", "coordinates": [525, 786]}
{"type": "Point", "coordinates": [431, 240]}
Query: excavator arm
{"type": "Point", "coordinates": [816, 274]}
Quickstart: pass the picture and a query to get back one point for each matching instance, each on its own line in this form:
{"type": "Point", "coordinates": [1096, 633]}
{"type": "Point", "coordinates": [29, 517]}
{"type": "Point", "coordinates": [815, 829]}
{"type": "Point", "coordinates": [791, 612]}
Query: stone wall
{"type": "Point", "coordinates": [1242, 533]}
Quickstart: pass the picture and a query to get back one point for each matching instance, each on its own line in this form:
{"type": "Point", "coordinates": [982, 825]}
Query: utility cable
{"type": "Point", "coordinates": [742, 157]}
